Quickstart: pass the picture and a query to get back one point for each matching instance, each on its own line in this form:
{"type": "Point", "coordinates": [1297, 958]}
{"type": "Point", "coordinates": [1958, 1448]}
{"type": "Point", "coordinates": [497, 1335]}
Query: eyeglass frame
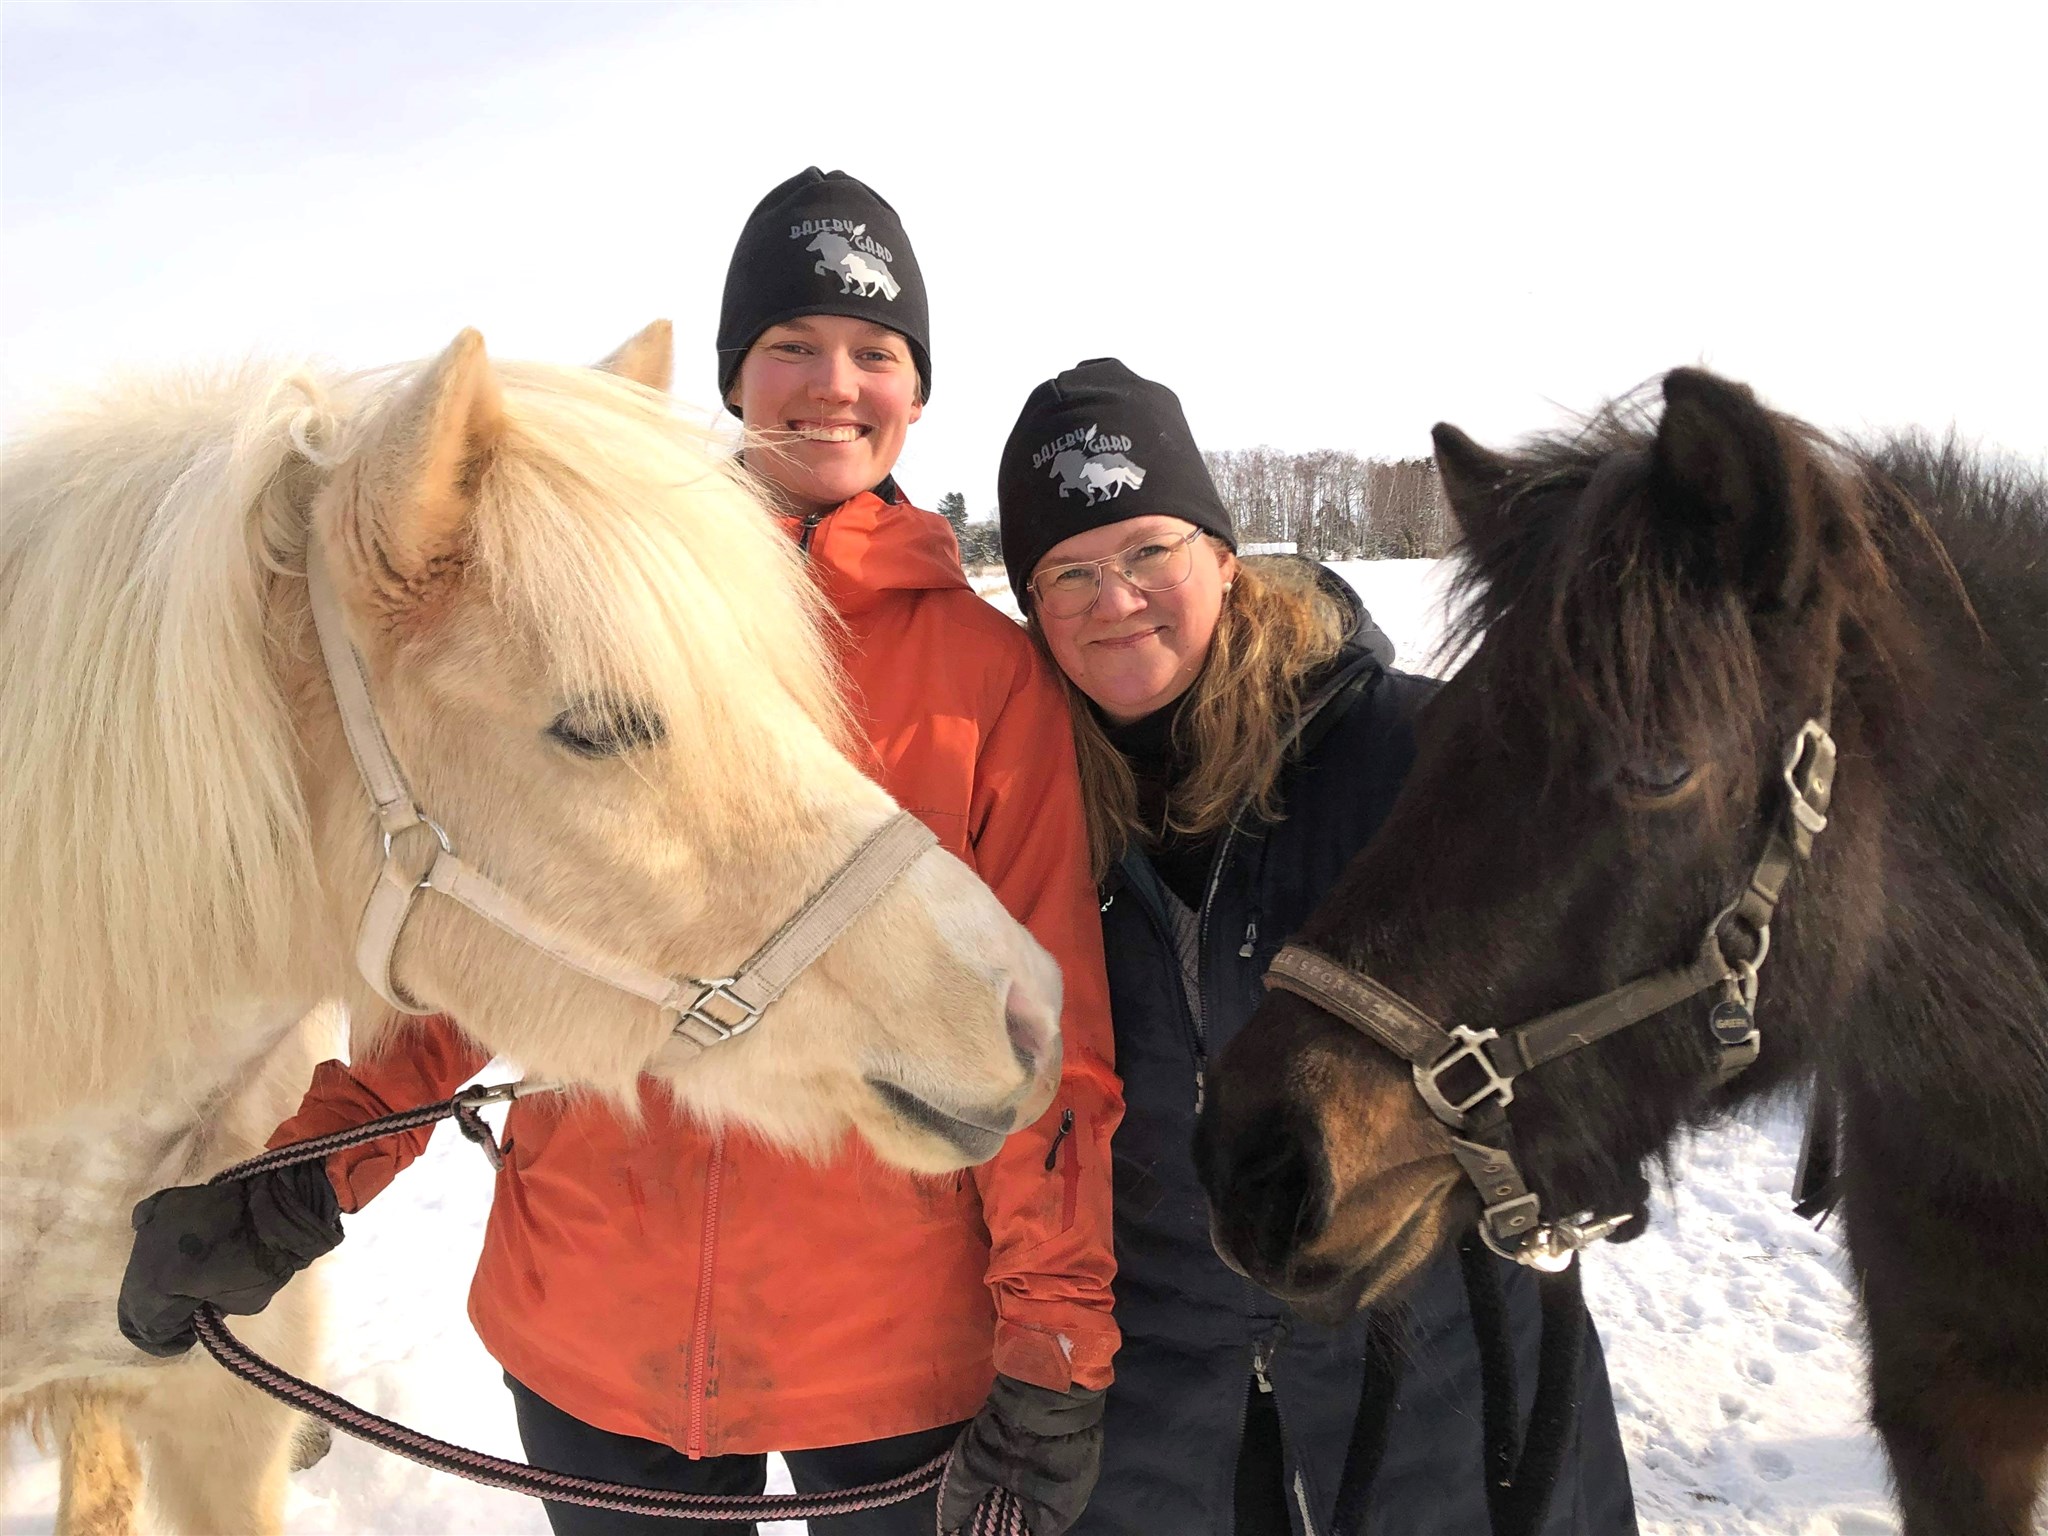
{"type": "Point", "coordinates": [1173, 544]}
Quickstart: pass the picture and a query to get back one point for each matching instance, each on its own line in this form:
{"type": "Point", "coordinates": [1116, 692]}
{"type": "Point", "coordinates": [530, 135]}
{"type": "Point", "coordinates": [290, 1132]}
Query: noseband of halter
{"type": "Point", "coordinates": [700, 1013]}
{"type": "Point", "coordinates": [1468, 1086]}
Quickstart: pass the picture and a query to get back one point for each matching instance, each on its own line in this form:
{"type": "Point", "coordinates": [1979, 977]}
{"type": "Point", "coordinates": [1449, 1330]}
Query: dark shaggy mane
{"type": "Point", "coordinates": [1572, 575]}
{"type": "Point", "coordinates": [1990, 515]}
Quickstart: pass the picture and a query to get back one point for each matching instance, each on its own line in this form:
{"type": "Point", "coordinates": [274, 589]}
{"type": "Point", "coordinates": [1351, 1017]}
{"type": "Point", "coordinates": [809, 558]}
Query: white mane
{"type": "Point", "coordinates": [152, 547]}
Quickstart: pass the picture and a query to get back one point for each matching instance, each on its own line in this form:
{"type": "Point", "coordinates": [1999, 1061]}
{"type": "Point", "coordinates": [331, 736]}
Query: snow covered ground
{"type": "Point", "coordinates": [1730, 1332]}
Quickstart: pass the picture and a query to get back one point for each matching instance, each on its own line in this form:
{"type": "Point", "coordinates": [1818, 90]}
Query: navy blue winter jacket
{"type": "Point", "coordinates": [1195, 1335]}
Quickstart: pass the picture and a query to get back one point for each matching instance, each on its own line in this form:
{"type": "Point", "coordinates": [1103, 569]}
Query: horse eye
{"type": "Point", "coordinates": [1654, 777]}
{"type": "Point", "coordinates": [607, 730]}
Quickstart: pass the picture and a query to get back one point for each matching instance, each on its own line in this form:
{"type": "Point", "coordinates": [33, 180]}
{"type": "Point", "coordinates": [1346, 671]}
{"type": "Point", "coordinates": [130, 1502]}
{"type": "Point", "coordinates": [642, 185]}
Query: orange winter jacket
{"type": "Point", "coordinates": [705, 1289]}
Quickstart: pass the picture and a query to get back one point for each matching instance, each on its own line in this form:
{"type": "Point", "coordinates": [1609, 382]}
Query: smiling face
{"type": "Point", "coordinates": [830, 399]}
{"type": "Point", "coordinates": [1135, 652]}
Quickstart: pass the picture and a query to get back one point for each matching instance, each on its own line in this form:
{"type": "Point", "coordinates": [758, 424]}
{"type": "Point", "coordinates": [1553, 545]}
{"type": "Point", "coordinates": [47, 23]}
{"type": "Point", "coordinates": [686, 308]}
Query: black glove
{"type": "Point", "coordinates": [234, 1244]}
{"type": "Point", "coordinates": [1044, 1446]}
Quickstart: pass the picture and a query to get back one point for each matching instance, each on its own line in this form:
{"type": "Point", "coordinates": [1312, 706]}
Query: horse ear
{"type": "Point", "coordinates": [419, 485]}
{"type": "Point", "coordinates": [1473, 479]}
{"type": "Point", "coordinates": [647, 357]}
{"type": "Point", "coordinates": [1719, 477]}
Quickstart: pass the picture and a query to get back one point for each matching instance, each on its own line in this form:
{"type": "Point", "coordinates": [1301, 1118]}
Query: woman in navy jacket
{"type": "Point", "coordinates": [1240, 740]}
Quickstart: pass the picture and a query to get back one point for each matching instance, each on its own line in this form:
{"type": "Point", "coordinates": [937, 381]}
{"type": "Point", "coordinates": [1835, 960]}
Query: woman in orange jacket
{"type": "Point", "coordinates": [671, 1302]}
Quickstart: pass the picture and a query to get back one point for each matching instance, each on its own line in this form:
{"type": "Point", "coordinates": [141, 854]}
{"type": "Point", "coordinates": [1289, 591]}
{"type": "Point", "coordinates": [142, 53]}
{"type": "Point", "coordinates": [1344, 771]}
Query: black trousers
{"type": "Point", "coordinates": [560, 1443]}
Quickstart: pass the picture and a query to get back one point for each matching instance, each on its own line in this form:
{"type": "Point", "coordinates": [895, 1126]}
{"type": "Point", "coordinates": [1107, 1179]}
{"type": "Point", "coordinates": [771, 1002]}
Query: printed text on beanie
{"type": "Point", "coordinates": [1093, 447]}
{"type": "Point", "coordinates": [822, 243]}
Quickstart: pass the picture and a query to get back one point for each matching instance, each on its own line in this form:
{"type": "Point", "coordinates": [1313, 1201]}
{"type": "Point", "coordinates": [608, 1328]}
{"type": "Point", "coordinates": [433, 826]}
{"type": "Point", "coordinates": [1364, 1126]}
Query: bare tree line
{"type": "Point", "coordinates": [1331, 505]}
{"type": "Point", "coordinates": [1334, 505]}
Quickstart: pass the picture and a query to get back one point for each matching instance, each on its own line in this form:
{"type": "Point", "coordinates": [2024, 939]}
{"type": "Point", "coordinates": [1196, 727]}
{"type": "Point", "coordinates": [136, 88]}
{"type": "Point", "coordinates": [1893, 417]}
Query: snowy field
{"type": "Point", "coordinates": [1729, 1329]}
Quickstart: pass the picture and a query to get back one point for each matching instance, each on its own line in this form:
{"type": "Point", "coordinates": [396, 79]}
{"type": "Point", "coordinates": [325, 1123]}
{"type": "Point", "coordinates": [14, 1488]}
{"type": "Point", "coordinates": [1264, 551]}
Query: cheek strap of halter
{"type": "Point", "coordinates": [1468, 1086]}
{"type": "Point", "coordinates": [700, 1012]}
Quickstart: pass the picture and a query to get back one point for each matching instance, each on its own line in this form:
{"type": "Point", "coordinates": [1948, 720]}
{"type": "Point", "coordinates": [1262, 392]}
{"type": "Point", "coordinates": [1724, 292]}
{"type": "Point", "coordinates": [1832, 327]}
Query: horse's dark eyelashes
{"type": "Point", "coordinates": [598, 729]}
{"type": "Point", "coordinates": [1653, 779]}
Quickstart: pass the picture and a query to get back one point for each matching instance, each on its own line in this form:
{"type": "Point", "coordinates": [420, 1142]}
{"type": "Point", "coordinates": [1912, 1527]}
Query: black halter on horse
{"type": "Point", "coordinates": [1474, 1103]}
{"type": "Point", "coordinates": [1469, 1088]}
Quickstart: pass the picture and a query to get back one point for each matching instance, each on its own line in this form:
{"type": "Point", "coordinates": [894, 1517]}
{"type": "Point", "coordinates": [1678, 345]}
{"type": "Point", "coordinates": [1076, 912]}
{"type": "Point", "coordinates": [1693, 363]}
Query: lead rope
{"type": "Point", "coordinates": [1000, 1513]}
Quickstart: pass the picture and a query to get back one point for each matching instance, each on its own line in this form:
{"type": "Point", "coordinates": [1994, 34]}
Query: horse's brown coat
{"type": "Point", "coordinates": [1687, 591]}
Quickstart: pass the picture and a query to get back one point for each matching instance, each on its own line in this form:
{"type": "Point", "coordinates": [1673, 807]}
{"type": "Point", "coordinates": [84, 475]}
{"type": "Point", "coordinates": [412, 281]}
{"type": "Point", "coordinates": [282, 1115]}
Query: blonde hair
{"type": "Point", "coordinates": [1277, 626]}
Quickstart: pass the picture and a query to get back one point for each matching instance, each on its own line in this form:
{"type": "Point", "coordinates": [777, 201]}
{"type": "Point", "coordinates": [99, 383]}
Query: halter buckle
{"type": "Point", "coordinates": [743, 1017]}
{"type": "Point", "coordinates": [1810, 776]}
{"type": "Point", "coordinates": [1470, 1046]}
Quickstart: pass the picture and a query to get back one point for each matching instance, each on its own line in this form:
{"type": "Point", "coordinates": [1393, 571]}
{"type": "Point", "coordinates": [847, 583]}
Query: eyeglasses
{"type": "Point", "coordinates": [1152, 565]}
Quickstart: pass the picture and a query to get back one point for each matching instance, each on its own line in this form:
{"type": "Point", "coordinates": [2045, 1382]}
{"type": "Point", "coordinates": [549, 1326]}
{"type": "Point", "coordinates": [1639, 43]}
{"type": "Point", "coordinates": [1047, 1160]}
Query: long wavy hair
{"type": "Point", "coordinates": [1277, 626]}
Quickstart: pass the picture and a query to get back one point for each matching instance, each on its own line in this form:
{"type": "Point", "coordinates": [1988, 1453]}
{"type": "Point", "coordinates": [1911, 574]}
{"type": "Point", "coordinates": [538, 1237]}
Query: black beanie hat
{"type": "Point", "coordinates": [822, 243]}
{"type": "Point", "coordinates": [1095, 446]}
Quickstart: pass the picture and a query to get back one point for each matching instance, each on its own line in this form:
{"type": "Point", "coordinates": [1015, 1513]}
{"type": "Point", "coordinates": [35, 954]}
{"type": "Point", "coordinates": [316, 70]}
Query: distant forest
{"type": "Point", "coordinates": [1334, 505]}
{"type": "Point", "coordinates": [1329, 504]}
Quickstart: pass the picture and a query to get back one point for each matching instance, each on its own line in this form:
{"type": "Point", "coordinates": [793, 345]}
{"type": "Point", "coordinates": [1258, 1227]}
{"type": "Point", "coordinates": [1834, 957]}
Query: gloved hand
{"type": "Point", "coordinates": [1044, 1446]}
{"type": "Point", "coordinates": [234, 1244]}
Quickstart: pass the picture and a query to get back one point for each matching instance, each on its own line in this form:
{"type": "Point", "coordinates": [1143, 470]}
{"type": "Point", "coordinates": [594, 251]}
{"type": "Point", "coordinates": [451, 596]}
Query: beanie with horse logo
{"type": "Point", "coordinates": [822, 243]}
{"type": "Point", "coordinates": [1095, 446]}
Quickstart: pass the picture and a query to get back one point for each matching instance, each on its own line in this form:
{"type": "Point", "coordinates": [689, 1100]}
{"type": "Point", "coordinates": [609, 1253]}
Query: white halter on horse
{"type": "Point", "coordinates": [701, 1013]}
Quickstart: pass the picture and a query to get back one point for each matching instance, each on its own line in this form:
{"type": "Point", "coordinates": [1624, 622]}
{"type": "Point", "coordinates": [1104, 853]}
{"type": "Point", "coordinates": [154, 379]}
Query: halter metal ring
{"type": "Point", "coordinates": [1470, 1046]}
{"type": "Point", "coordinates": [431, 825]}
{"type": "Point", "coordinates": [1760, 935]}
{"type": "Point", "coordinates": [1814, 748]}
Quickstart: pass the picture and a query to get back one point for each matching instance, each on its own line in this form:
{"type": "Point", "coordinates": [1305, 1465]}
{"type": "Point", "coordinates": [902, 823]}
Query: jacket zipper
{"type": "Point", "coordinates": [1071, 1178]}
{"type": "Point", "coordinates": [1262, 1359]}
{"type": "Point", "coordinates": [700, 1341]}
{"type": "Point", "coordinates": [1202, 961]}
{"type": "Point", "coordinates": [808, 531]}
{"type": "Point", "coordinates": [1052, 1156]}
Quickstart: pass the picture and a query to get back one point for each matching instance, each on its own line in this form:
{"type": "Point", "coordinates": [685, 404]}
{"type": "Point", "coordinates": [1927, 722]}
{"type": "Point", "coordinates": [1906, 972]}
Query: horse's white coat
{"type": "Point", "coordinates": [188, 844]}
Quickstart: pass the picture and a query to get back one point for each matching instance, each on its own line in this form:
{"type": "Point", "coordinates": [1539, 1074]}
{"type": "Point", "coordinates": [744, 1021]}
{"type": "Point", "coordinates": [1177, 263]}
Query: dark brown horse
{"type": "Point", "coordinates": [1667, 619]}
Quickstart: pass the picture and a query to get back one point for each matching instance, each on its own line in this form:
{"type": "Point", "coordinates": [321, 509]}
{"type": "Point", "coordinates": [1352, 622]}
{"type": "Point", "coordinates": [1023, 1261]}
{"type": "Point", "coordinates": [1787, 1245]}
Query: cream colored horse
{"type": "Point", "coordinates": [602, 669]}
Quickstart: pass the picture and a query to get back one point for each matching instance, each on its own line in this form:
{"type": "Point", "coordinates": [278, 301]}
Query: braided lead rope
{"type": "Point", "coordinates": [240, 1361]}
{"type": "Point", "coordinates": [538, 1482]}
{"type": "Point", "coordinates": [1000, 1512]}
{"type": "Point", "coordinates": [318, 1147]}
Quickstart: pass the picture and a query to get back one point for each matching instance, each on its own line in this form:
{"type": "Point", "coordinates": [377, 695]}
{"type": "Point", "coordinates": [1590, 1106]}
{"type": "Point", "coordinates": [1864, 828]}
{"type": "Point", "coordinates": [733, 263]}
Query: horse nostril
{"type": "Point", "coordinates": [1032, 1033]}
{"type": "Point", "coordinates": [1278, 1191]}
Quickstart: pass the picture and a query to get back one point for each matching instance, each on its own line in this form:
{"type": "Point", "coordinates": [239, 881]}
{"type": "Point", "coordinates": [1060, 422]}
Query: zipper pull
{"type": "Point", "coordinates": [1201, 1087]}
{"type": "Point", "coordinates": [1052, 1156]}
{"type": "Point", "coordinates": [1109, 901]}
{"type": "Point", "coordinates": [1251, 938]}
{"type": "Point", "coordinates": [1261, 1358]}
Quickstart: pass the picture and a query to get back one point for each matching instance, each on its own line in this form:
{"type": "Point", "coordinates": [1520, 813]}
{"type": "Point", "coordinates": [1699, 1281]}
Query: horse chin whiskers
{"type": "Point", "coordinates": [973, 1136]}
{"type": "Point", "coordinates": [1424, 1192]}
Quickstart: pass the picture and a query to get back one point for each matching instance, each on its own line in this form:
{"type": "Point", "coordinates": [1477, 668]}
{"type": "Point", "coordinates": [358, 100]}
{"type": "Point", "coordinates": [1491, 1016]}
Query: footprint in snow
{"type": "Point", "coordinates": [1795, 1340]}
{"type": "Point", "coordinates": [1772, 1466]}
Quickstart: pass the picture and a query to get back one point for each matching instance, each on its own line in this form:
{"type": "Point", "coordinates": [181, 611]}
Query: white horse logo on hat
{"type": "Point", "coordinates": [1098, 476]}
{"type": "Point", "coordinates": [857, 271]}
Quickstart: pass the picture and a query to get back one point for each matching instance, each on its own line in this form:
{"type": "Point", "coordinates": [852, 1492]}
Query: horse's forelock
{"type": "Point", "coordinates": [1590, 615]}
{"type": "Point", "coordinates": [639, 558]}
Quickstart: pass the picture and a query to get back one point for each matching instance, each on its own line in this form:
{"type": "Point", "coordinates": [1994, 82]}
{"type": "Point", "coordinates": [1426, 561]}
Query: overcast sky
{"type": "Point", "coordinates": [1325, 226]}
